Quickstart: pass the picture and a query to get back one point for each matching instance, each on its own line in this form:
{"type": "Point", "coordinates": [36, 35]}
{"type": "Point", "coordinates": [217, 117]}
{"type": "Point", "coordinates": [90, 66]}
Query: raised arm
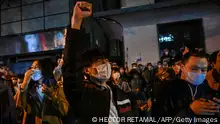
{"type": "Point", "coordinates": [73, 39]}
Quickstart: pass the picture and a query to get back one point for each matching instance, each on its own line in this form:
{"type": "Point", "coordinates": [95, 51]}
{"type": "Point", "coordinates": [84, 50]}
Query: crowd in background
{"type": "Point", "coordinates": [185, 85]}
{"type": "Point", "coordinates": [142, 82]}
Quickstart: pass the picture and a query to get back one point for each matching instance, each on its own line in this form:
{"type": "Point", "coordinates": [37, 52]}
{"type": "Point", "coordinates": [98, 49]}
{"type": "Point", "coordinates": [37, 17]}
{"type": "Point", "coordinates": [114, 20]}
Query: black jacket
{"type": "Point", "coordinates": [85, 97]}
{"type": "Point", "coordinates": [7, 105]}
{"type": "Point", "coordinates": [173, 99]}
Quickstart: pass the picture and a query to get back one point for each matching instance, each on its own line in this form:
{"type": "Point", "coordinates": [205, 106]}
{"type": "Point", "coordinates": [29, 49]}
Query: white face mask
{"type": "Point", "coordinates": [36, 75]}
{"type": "Point", "coordinates": [103, 72]}
{"type": "Point", "coordinates": [116, 75]}
{"type": "Point", "coordinates": [195, 78]}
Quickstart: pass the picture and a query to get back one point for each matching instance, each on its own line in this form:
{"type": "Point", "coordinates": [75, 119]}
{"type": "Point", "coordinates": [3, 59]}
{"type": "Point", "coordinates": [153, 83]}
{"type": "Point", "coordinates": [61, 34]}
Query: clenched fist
{"type": "Point", "coordinates": [81, 10]}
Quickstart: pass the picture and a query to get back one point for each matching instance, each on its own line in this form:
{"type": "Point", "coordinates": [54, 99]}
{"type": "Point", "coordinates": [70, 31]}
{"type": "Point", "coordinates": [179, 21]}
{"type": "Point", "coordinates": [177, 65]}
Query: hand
{"type": "Point", "coordinates": [186, 50]}
{"type": "Point", "coordinates": [27, 78]}
{"type": "Point", "coordinates": [29, 73]}
{"type": "Point", "coordinates": [140, 105]}
{"type": "Point", "coordinates": [149, 103]}
{"type": "Point", "coordinates": [49, 92]}
{"type": "Point", "coordinates": [79, 15]}
{"type": "Point", "coordinates": [144, 107]}
{"type": "Point", "coordinates": [216, 100]}
{"type": "Point", "coordinates": [204, 107]}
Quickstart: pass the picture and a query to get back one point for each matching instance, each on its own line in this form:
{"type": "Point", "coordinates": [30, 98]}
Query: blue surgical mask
{"type": "Point", "coordinates": [195, 78]}
{"type": "Point", "coordinates": [36, 75]}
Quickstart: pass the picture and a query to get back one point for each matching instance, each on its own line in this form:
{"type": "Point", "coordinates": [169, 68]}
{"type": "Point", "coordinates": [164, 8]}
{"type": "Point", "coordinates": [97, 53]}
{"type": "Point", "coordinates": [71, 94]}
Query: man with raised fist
{"type": "Point", "coordinates": [92, 98]}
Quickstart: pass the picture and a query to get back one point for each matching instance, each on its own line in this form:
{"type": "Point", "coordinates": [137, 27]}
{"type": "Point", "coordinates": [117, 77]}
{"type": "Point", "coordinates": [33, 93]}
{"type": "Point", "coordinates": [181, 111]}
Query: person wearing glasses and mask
{"type": "Point", "coordinates": [40, 96]}
{"type": "Point", "coordinates": [92, 97]}
{"type": "Point", "coordinates": [184, 97]}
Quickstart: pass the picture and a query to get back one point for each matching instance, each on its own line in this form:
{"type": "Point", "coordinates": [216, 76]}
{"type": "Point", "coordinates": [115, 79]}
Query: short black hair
{"type": "Point", "coordinates": [134, 64]}
{"type": "Point", "coordinates": [177, 59]}
{"type": "Point", "coordinates": [20, 76]}
{"type": "Point", "coordinates": [187, 56]}
{"type": "Point", "coordinates": [90, 56]}
{"type": "Point", "coordinates": [115, 69]}
{"type": "Point", "coordinates": [46, 66]}
{"type": "Point", "coordinates": [149, 64]}
{"type": "Point", "coordinates": [139, 65]}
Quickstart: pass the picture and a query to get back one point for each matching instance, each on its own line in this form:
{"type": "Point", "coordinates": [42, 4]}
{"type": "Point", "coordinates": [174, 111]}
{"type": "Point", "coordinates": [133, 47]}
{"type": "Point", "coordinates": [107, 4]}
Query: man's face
{"type": "Point", "coordinates": [197, 65]}
{"type": "Point", "coordinates": [166, 51]}
{"type": "Point", "coordinates": [165, 64]}
{"type": "Point", "coordinates": [176, 67]}
{"type": "Point", "coordinates": [150, 67]}
{"type": "Point", "coordinates": [134, 66]}
{"type": "Point", "coordinates": [92, 69]}
{"type": "Point", "coordinates": [14, 80]}
{"type": "Point", "coordinates": [116, 75]}
{"type": "Point", "coordinates": [122, 70]}
{"type": "Point", "coordinates": [159, 65]}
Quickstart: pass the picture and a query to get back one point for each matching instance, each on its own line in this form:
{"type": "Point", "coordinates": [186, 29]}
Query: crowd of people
{"type": "Point", "coordinates": [184, 85]}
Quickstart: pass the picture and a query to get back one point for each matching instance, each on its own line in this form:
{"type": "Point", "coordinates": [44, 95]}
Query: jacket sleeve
{"type": "Point", "coordinates": [70, 85]}
{"type": "Point", "coordinates": [60, 103]}
{"type": "Point", "coordinates": [165, 107]}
